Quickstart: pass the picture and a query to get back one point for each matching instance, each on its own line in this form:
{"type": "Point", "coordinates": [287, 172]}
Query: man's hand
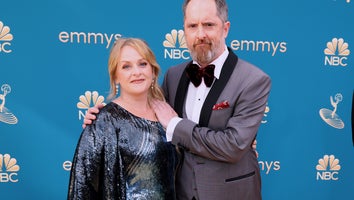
{"type": "Point", "coordinates": [163, 111]}
{"type": "Point", "coordinates": [254, 146]}
{"type": "Point", "coordinates": [91, 114]}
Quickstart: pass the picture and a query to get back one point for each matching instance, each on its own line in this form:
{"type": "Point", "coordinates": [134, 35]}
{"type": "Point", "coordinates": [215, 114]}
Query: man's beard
{"type": "Point", "coordinates": [202, 56]}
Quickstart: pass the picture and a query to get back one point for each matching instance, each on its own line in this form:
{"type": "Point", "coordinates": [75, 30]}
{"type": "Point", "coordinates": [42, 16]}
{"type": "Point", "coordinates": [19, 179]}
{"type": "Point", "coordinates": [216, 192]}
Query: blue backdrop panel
{"type": "Point", "coordinates": [53, 66]}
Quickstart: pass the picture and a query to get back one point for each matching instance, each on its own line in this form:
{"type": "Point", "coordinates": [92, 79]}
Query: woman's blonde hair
{"type": "Point", "coordinates": [144, 50]}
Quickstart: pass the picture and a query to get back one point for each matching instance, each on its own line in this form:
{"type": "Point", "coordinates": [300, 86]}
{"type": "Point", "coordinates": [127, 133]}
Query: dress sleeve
{"type": "Point", "coordinates": [96, 166]}
{"type": "Point", "coordinates": [84, 176]}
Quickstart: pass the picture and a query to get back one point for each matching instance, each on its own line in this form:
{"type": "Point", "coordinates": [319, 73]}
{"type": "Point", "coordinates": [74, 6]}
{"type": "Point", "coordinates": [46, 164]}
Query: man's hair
{"type": "Point", "coordinates": [221, 7]}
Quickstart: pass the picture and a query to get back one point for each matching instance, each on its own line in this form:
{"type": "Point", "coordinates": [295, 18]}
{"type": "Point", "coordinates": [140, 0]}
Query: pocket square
{"type": "Point", "coordinates": [222, 105]}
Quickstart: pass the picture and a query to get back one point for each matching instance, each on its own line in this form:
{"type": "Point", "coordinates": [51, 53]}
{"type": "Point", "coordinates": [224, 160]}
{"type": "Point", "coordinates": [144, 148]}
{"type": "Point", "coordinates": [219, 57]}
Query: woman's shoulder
{"type": "Point", "coordinates": [104, 121]}
{"type": "Point", "coordinates": [113, 114]}
{"type": "Point", "coordinates": [109, 109]}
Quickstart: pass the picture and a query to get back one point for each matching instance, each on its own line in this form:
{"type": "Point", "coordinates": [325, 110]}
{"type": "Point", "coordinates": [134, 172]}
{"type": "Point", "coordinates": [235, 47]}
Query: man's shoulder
{"type": "Point", "coordinates": [245, 65]}
{"type": "Point", "coordinates": [178, 67]}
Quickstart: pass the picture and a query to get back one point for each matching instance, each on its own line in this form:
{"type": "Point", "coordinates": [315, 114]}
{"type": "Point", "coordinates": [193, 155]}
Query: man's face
{"type": "Point", "coordinates": [205, 32]}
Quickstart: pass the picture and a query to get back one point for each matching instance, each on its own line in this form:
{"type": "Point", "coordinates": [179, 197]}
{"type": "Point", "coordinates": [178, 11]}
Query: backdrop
{"type": "Point", "coordinates": [53, 61]}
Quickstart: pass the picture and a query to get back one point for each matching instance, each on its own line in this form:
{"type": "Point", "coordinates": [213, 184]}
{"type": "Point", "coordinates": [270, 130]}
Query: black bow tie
{"type": "Point", "coordinates": [196, 73]}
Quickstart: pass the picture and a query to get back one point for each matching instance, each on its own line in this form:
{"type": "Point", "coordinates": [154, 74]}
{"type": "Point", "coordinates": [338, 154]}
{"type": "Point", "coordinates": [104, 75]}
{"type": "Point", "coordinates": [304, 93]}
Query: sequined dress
{"type": "Point", "coordinates": [122, 156]}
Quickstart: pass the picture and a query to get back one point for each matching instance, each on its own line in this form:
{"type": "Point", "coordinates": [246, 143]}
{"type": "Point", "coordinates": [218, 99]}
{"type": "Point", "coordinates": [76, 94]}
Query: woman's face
{"type": "Point", "coordinates": [134, 73]}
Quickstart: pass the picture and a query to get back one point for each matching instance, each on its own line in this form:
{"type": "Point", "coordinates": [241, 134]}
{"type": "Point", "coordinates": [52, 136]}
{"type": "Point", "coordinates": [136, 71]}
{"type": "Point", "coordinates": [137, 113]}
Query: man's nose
{"type": "Point", "coordinates": [200, 32]}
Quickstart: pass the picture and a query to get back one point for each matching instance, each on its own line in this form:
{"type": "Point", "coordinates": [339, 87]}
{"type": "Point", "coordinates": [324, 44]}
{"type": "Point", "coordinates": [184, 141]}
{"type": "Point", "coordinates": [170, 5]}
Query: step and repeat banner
{"type": "Point", "coordinates": [53, 66]}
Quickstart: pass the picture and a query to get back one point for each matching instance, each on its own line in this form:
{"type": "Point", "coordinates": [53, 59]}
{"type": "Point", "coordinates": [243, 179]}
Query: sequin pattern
{"type": "Point", "coordinates": [122, 156]}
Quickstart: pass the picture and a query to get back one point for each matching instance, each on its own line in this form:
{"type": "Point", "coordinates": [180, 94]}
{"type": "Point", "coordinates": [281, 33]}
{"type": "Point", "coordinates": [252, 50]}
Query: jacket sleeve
{"type": "Point", "coordinates": [231, 142]}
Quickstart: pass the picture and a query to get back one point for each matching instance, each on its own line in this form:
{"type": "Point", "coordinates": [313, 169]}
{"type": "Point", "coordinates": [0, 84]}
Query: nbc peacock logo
{"type": "Point", "coordinates": [88, 100]}
{"type": "Point", "coordinates": [6, 115]}
{"type": "Point", "coordinates": [175, 45]}
{"type": "Point", "coordinates": [328, 168]}
{"type": "Point", "coordinates": [8, 169]}
{"type": "Point", "coordinates": [337, 52]}
{"type": "Point", "coordinates": [5, 38]}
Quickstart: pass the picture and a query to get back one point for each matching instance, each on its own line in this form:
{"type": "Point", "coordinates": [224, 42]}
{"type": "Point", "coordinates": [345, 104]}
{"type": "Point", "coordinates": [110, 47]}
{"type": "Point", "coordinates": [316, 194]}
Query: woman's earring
{"type": "Point", "coordinates": [152, 84]}
{"type": "Point", "coordinates": [117, 88]}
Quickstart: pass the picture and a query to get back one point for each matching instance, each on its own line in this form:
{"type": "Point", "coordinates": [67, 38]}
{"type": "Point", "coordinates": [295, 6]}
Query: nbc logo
{"type": "Point", "coordinates": [8, 169]}
{"type": "Point", "coordinates": [85, 101]}
{"type": "Point", "coordinates": [5, 38]}
{"type": "Point", "coordinates": [5, 114]}
{"type": "Point", "coordinates": [336, 52]}
{"type": "Point", "coordinates": [327, 168]}
{"type": "Point", "coordinates": [173, 51]}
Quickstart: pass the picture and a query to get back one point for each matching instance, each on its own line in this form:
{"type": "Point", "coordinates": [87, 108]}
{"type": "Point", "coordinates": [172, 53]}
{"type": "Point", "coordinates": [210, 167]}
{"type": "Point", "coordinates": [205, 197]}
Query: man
{"type": "Point", "coordinates": [216, 124]}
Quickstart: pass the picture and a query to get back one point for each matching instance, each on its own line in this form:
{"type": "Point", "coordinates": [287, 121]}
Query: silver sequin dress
{"type": "Point", "coordinates": [122, 156]}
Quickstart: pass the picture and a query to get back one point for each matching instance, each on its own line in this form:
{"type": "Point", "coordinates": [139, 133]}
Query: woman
{"type": "Point", "coordinates": [124, 154]}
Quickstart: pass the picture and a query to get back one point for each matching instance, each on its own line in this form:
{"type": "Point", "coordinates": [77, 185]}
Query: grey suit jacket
{"type": "Point", "coordinates": [219, 162]}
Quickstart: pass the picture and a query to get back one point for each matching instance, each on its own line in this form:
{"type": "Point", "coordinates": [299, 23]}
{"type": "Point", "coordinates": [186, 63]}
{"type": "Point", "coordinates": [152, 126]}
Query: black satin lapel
{"type": "Point", "coordinates": [217, 88]}
{"type": "Point", "coordinates": [181, 93]}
